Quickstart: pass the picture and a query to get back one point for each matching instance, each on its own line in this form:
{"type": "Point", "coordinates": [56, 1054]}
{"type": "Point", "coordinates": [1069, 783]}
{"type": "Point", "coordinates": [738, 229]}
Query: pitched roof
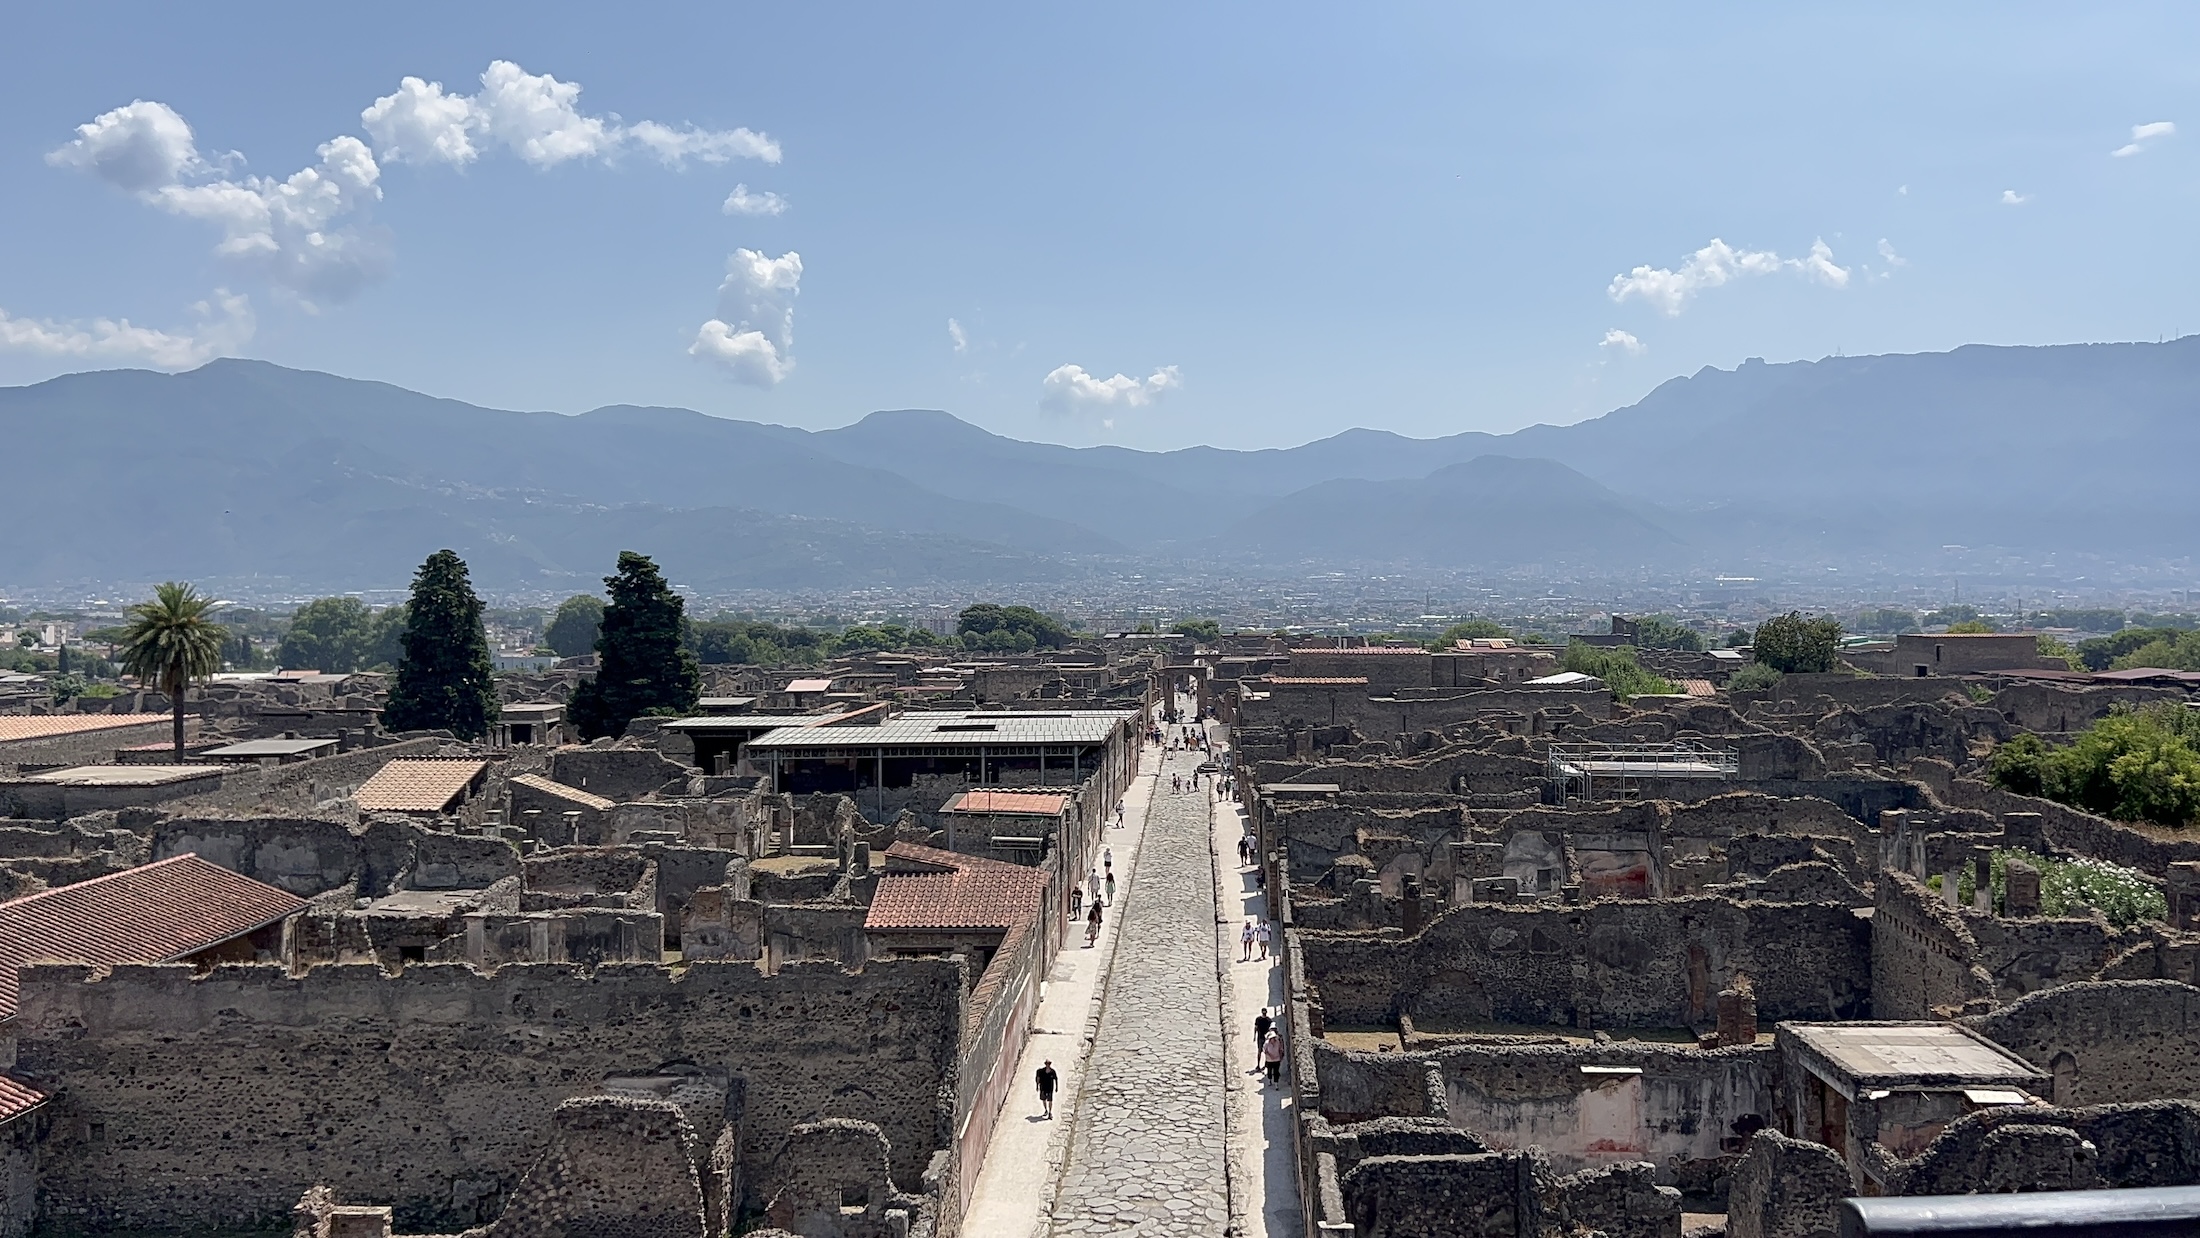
{"type": "Point", "coordinates": [1306, 681]}
{"type": "Point", "coordinates": [149, 914]}
{"type": "Point", "coordinates": [572, 795]}
{"type": "Point", "coordinates": [423, 784]}
{"type": "Point", "coordinates": [17, 1099]}
{"type": "Point", "coordinates": [810, 685]}
{"type": "Point", "coordinates": [949, 890]}
{"type": "Point", "coordinates": [50, 726]}
{"type": "Point", "coordinates": [1013, 803]}
{"type": "Point", "coordinates": [1697, 687]}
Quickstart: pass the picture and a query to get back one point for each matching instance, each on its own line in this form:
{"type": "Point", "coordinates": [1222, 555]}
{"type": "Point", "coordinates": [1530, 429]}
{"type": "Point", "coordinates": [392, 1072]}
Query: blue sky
{"type": "Point", "coordinates": [1241, 225]}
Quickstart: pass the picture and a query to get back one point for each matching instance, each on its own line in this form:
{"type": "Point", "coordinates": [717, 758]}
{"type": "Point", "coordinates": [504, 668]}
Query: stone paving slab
{"type": "Point", "coordinates": [1148, 1155]}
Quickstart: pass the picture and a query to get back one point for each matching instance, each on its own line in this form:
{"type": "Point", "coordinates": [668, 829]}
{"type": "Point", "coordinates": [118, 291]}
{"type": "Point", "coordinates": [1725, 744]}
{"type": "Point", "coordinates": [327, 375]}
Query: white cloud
{"type": "Point", "coordinates": [743, 202]}
{"type": "Point", "coordinates": [2141, 135]}
{"type": "Point", "coordinates": [2010, 197]}
{"type": "Point", "coordinates": [957, 337]}
{"type": "Point", "coordinates": [1625, 341]}
{"type": "Point", "coordinates": [538, 118]}
{"type": "Point", "coordinates": [752, 338]}
{"type": "Point", "coordinates": [1886, 251]}
{"type": "Point", "coordinates": [226, 325]}
{"type": "Point", "coordinates": [300, 233]}
{"type": "Point", "coordinates": [1719, 263]}
{"type": "Point", "coordinates": [1902, 191]}
{"type": "Point", "coordinates": [138, 147]}
{"type": "Point", "coordinates": [1068, 388]}
{"type": "Point", "coordinates": [422, 124]}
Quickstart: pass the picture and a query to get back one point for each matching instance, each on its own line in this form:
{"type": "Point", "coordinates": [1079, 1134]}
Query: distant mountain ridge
{"type": "Point", "coordinates": [244, 467]}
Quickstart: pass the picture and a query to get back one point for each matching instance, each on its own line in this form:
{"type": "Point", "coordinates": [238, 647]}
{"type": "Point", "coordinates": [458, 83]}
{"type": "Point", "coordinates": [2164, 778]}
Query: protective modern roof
{"type": "Point", "coordinates": [1306, 681]}
{"type": "Point", "coordinates": [153, 913]}
{"type": "Point", "coordinates": [946, 890]}
{"type": "Point", "coordinates": [124, 775]}
{"type": "Point", "coordinates": [1883, 1052]}
{"type": "Point", "coordinates": [572, 795]}
{"type": "Point", "coordinates": [422, 784]}
{"type": "Point", "coordinates": [270, 748]}
{"type": "Point", "coordinates": [1008, 803]}
{"type": "Point", "coordinates": [49, 726]}
{"type": "Point", "coordinates": [810, 685]}
{"type": "Point", "coordinates": [939, 729]}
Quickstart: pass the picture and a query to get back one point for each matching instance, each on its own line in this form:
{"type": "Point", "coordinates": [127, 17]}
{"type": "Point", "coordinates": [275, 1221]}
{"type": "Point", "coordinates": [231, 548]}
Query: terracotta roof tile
{"type": "Point", "coordinates": [49, 726]}
{"type": "Point", "coordinates": [1698, 687]}
{"type": "Point", "coordinates": [1020, 803]}
{"type": "Point", "coordinates": [422, 784]}
{"type": "Point", "coordinates": [153, 913]}
{"type": "Point", "coordinates": [17, 1099]}
{"type": "Point", "coordinates": [948, 890]}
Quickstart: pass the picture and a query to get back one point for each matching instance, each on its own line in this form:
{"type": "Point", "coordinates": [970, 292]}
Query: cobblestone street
{"type": "Point", "coordinates": [1148, 1154]}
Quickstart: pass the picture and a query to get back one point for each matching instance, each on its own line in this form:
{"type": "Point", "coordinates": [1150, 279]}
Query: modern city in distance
{"type": "Point", "coordinates": [1409, 621]}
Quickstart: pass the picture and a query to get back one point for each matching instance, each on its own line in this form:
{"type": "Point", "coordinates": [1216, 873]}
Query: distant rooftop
{"type": "Point", "coordinates": [423, 784]}
{"type": "Point", "coordinates": [921, 728]}
{"type": "Point", "coordinates": [50, 726]}
{"type": "Point", "coordinates": [925, 888]}
{"type": "Point", "coordinates": [1882, 1053]}
{"type": "Point", "coordinates": [123, 775]}
{"type": "Point", "coordinates": [1008, 803]}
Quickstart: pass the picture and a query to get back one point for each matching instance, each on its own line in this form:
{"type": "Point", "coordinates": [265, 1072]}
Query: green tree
{"type": "Point", "coordinates": [2102, 651]}
{"type": "Point", "coordinates": [1752, 677]}
{"type": "Point", "coordinates": [1009, 628]}
{"type": "Point", "coordinates": [573, 629]}
{"type": "Point", "coordinates": [171, 641]}
{"type": "Point", "coordinates": [2054, 647]}
{"type": "Point", "coordinates": [1972, 627]}
{"type": "Point", "coordinates": [2133, 765]}
{"type": "Point", "coordinates": [445, 680]}
{"type": "Point", "coordinates": [643, 666]}
{"type": "Point", "coordinates": [1791, 644]}
{"type": "Point", "coordinates": [1666, 632]}
{"type": "Point", "coordinates": [1198, 629]}
{"type": "Point", "coordinates": [2179, 652]}
{"type": "Point", "coordinates": [1616, 666]}
{"type": "Point", "coordinates": [334, 635]}
{"type": "Point", "coordinates": [388, 646]}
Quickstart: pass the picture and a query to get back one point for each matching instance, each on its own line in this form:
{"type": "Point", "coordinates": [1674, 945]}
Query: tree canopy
{"type": "Point", "coordinates": [2133, 765]}
{"type": "Point", "coordinates": [2171, 650]}
{"type": "Point", "coordinates": [1197, 629]}
{"type": "Point", "coordinates": [1617, 667]}
{"type": "Point", "coordinates": [171, 641]}
{"type": "Point", "coordinates": [335, 635]}
{"type": "Point", "coordinates": [1666, 632]}
{"type": "Point", "coordinates": [642, 665]}
{"type": "Point", "coordinates": [1791, 644]}
{"type": "Point", "coordinates": [1009, 629]}
{"type": "Point", "coordinates": [445, 680]}
{"type": "Point", "coordinates": [573, 629]}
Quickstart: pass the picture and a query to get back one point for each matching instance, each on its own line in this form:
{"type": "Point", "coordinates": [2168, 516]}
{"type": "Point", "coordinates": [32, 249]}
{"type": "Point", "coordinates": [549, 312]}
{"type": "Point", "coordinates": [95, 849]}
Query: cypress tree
{"type": "Point", "coordinates": [642, 666]}
{"type": "Point", "coordinates": [445, 681]}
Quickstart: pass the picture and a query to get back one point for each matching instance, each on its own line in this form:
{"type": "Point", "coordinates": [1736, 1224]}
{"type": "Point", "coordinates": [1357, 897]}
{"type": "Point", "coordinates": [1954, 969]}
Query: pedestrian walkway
{"type": "Point", "coordinates": [1148, 1154]}
{"type": "Point", "coordinates": [1264, 1199]}
{"type": "Point", "coordinates": [1024, 1155]}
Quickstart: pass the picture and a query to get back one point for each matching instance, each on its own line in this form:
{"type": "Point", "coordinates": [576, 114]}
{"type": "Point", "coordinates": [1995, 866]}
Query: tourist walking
{"type": "Point", "coordinates": [1245, 851]}
{"type": "Point", "coordinates": [1271, 1056]}
{"type": "Point", "coordinates": [1245, 940]}
{"type": "Point", "coordinates": [1111, 889]}
{"type": "Point", "coordinates": [1046, 1080]}
{"type": "Point", "coordinates": [1261, 1023]}
{"type": "Point", "coordinates": [1260, 938]}
{"type": "Point", "coordinates": [1092, 923]}
{"type": "Point", "coordinates": [1076, 901]}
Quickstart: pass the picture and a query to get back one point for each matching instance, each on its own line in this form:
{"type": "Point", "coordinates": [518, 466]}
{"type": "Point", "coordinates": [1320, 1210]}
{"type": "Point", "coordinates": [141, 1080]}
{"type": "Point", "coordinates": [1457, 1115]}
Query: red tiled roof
{"type": "Point", "coordinates": [1367, 649]}
{"type": "Point", "coordinates": [153, 913]}
{"type": "Point", "coordinates": [558, 790]}
{"type": "Point", "coordinates": [1017, 803]}
{"type": "Point", "coordinates": [1697, 687]}
{"type": "Point", "coordinates": [416, 784]}
{"type": "Point", "coordinates": [1324, 680]}
{"type": "Point", "coordinates": [49, 726]}
{"type": "Point", "coordinates": [17, 1099]}
{"type": "Point", "coordinates": [949, 890]}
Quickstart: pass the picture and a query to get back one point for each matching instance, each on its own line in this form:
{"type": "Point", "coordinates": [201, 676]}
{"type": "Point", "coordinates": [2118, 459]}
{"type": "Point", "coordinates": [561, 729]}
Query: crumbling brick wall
{"type": "Point", "coordinates": [216, 1101]}
{"type": "Point", "coordinates": [1923, 958]}
{"type": "Point", "coordinates": [2106, 1042]}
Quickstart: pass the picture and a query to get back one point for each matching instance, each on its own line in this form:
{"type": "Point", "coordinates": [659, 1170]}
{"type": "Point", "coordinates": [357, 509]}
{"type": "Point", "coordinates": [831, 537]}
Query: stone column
{"type": "Point", "coordinates": [1982, 880]}
{"type": "Point", "coordinates": [1737, 1015]}
{"type": "Point", "coordinates": [2022, 895]}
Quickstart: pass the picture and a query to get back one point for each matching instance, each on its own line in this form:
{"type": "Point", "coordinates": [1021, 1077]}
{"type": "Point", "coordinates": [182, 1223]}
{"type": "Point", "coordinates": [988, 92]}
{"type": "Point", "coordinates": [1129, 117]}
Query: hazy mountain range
{"type": "Point", "coordinates": [244, 468]}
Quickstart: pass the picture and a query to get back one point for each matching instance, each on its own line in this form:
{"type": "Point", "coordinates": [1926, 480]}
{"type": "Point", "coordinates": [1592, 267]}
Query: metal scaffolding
{"type": "Point", "coordinates": [1592, 771]}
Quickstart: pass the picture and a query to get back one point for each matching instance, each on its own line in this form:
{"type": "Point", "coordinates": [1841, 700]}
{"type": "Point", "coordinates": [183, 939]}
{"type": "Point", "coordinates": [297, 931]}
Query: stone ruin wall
{"type": "Point", "coordinates": [217, 1101]}
{"type": "Point", "coordinates": [1655, 964]}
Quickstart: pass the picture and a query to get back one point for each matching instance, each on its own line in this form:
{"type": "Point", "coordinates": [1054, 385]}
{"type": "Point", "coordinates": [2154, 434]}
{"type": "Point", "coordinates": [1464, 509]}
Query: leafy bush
{"type": "Point", "coordinates": [2055, 647]}
{"type": "Point", "coordinates": [2121, 894]}
{"type": "Point", "coordinates": [1972, 627]}
{"type": "Point", "coordinates": [1752, 677]}
{"type": "Point", "coordinates": [1666, 632]}
{"type": "Point", "coordinates": [1793, 645]}
{"type": "Point", "coordinates": [1198, 629]}
{"type": "Point", "coordinates": [2101, 651]}
{"type": "Point", "coordinates": [2177, 653]}
{"type": "Point", "coordinates": [1017, 629]}
{"type": "Point", "coordinates": [2141, 765]}
{"type": "Point", "coordinates": [1617, 667]}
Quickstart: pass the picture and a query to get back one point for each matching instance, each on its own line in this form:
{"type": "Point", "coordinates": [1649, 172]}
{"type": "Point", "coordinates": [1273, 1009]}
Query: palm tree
{"type": "Point", "coordinates": [170, 641]}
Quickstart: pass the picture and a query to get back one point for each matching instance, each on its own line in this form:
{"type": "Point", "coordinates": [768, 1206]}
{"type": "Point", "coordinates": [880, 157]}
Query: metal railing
{"type": "Point", "coordinates": [1584, 765]}
{"type": "Point", "coordinates": [2137, 1213]}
